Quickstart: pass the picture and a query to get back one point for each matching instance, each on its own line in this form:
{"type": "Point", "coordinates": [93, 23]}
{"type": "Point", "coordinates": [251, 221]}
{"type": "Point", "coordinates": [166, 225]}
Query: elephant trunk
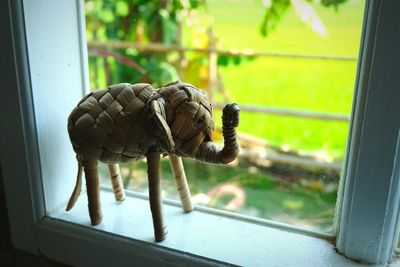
{"type": "Point", "coordinates": [212, 153]}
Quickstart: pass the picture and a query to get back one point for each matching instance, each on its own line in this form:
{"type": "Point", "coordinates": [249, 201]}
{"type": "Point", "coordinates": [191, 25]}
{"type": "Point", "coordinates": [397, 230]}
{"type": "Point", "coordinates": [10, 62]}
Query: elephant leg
{"type": "Point", "coordinates": [181, 182]}
{"type": "Point", "coordinates": [116, 181]}
{"type": "Point", "coordinates": [153, 171]}
{"type": "Point", "coordinates": [93, 190]}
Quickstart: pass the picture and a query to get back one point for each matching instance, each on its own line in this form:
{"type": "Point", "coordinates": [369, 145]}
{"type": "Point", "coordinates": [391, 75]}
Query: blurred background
{"type": "Point", "coordinates": [289, 64]}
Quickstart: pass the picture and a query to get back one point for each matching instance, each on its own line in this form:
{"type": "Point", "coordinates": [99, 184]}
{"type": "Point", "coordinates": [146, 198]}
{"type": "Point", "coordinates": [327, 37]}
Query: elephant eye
{"type": "Point", "coordinates": [200, 120]}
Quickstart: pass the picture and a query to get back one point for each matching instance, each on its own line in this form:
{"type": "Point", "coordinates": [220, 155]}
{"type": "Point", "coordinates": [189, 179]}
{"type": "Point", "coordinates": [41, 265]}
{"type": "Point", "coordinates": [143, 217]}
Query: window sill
{"type": "Point", "coordinates": [194, 238]}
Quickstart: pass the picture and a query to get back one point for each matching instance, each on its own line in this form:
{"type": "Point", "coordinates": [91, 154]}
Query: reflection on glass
{"type": "Point", "coordinates": [292, 73]}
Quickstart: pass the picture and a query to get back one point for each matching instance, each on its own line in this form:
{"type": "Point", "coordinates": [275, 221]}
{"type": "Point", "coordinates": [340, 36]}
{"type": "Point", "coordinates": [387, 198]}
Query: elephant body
{"type": "Point", "coordinates": [119, 125]}
{"type": "Point", "coordinates": [129, 122]}
{"type": "Point", "coordinates": [112, 125]}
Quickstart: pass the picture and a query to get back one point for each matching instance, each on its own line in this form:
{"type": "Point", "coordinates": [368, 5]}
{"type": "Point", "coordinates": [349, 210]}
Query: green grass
{"type": "Point", "coordinates": [304, 84]}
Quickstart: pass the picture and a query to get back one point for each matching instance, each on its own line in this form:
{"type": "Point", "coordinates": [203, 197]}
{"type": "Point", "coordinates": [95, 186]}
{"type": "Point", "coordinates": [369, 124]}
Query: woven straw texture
{"type": "Point", "coordinates": [108, 124]}
{"type": "Point", "coordinates": [128, 122]}
{"type": "Point", "coordinates": [123, 122]}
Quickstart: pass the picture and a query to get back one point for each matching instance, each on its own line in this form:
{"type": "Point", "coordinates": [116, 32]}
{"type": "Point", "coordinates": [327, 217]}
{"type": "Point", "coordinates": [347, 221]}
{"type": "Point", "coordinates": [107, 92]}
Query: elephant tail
{"type": "Point", "coordinates": [77, 189]}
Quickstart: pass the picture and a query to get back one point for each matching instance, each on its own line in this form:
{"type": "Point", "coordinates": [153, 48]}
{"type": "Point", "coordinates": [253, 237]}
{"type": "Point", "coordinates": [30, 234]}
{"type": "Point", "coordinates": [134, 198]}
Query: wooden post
{"type": "Point", "coordinates": [181, 51]}
{"type": "Point", "coordinates": [95, 67]}
{"type": "Point", "coordinates": [107, 71]}
{"type": "Point", "coordinates": [212, 66]}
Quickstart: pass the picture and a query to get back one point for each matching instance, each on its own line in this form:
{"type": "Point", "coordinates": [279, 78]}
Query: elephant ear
{"type": "Point", "coordinates": [158, 114]}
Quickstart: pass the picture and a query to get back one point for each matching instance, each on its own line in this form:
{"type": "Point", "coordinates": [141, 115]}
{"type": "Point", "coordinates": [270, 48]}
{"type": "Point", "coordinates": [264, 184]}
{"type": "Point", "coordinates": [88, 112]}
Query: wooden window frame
{"type": "Point", "coordinates": [37, 166]}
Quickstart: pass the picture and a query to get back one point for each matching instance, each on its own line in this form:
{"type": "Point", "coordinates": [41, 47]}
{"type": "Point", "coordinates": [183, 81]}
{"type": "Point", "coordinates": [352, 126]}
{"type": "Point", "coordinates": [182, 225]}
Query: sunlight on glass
{"type": "Point", "coordinates": [291, 67]}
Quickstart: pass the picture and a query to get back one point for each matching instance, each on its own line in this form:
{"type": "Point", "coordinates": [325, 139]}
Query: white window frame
{"type": "Point", "coordinates": [35, 158]}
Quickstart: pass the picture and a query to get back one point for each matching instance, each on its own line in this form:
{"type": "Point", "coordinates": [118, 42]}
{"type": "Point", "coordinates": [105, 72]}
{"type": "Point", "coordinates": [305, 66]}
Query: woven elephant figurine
{"type": "Point", "coordinates": [129, 122]}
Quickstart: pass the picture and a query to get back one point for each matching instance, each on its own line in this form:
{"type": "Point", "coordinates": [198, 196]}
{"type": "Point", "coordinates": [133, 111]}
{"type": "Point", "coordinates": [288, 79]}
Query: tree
{"type": "Point", "coordinates": [156, 21]}
{"type": "Point", "coordinates": [139, 21]}
{"type": "Point", "coordinates": [275, 9]}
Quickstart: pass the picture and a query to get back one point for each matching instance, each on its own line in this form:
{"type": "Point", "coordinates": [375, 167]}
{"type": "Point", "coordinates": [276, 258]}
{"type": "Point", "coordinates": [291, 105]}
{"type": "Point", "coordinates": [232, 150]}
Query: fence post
{"type": "Point", "coordinates": [212, 65]}
{"type": "Point", "coordinates": [181, 51]}
{"type": "Point", "coordinates": [107, 71]}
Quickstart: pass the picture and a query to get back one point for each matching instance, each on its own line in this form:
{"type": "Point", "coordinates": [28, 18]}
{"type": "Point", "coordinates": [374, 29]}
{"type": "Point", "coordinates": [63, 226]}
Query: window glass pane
{"type": "Point", "coordinates": [290, 65]}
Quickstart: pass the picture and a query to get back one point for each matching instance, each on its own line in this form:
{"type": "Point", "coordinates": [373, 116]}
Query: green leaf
{"type": "Point", "coordinates": [223, 60]}
{"type": "Point", "coordinates": [277, 8]}
{"type": "Point", "coordinates": [194, 3]}
{"type": "Point", "coordinates": [106, 15]}
{"type": "Point", "coordinates": [237, 60]}
{"type": "Point", "coordinates": [161, 72]}
{"type": "Point", "coordinates": [169, 27]}
{"type": "Point", "coordinates": [122, 8]}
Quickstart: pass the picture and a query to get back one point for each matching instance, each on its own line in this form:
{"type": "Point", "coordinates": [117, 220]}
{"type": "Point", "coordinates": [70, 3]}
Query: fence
{"type": "Point", "coordinates": [100, 48]}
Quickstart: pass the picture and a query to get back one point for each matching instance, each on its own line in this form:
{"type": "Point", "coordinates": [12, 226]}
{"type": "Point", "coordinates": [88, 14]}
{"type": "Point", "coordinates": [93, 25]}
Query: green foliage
{"type": "Point", "coordinates": [169, 29]}
{"type": "Point", "coordinates": [226, 60]}
{"type": "Point", "coordinates": [334, 3]}
{"type": "Point", "coordinates": [140, 21]}
{"type": "Point", "coordinates": [273, 14]}
{"type": "Point", "coordinates": [161, 72]}
{"type": "Point", "coordinates": [275, 10]}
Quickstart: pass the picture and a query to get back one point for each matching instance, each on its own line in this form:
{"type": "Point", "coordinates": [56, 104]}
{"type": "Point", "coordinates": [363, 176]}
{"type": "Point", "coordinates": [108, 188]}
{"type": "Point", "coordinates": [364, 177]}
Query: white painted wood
{"type": "Point", "coordinates": [58, 79]}
{"type": "Point", "coordinates": [370, 194]}
{"type": "Point", "coordinates": [19, 149]}
{"type": "Point", "coordinates": [202, 235]}
{"type": "Point", "coordinates": [390, 233]}
{"type": "Point", "coordinates": [44, 58]}
{"type": "Point", "coordinates": [241, 217]}
{"type": "Point", "coordinates": [46, 78]}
